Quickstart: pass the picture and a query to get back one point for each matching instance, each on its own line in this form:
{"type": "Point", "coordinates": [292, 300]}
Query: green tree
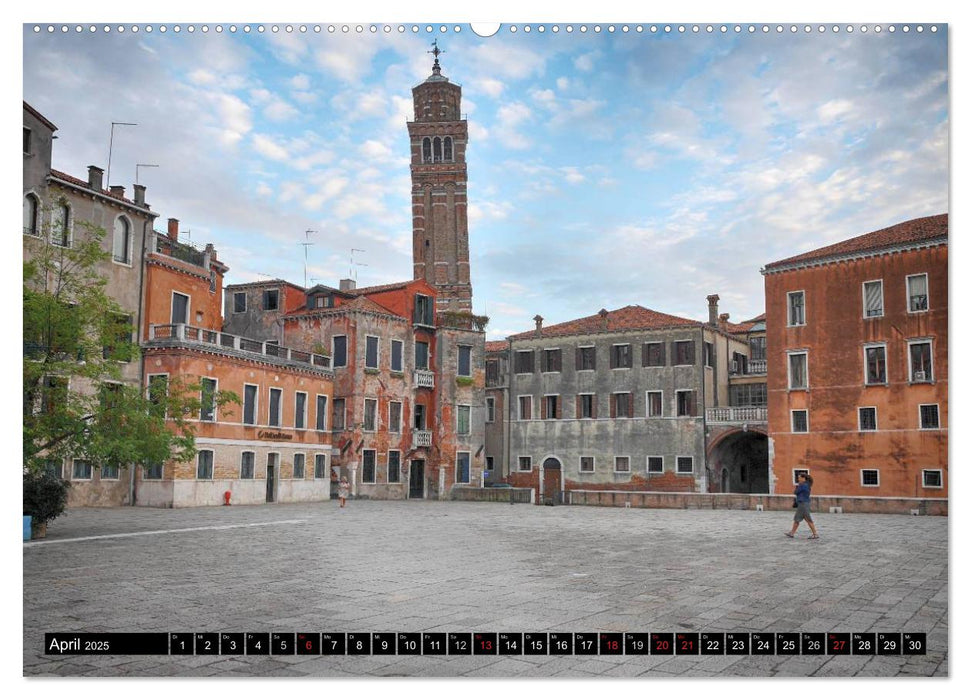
{"type": "Point", "coordinates": [75, 403]}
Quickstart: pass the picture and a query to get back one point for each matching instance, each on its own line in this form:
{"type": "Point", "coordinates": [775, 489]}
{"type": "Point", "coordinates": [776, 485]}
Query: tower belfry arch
{"type": "Point", "coordinates": [439, 177]}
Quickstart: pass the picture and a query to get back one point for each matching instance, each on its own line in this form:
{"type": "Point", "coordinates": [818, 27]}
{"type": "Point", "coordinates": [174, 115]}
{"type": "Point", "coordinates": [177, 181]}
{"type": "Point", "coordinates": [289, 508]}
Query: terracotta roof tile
{"type": "Point", "coordinates": [914, 231]}
{"type": "Point", "coordinates": [629, 318]}
{"type": "Point", "coordinates": [378, 288]}
{"type": "Point", "coordinates": [355, 304]}
{"type": "Point", "coordinates": [496, 345]}
{"type": "Point", "coordinates": [84, 183]}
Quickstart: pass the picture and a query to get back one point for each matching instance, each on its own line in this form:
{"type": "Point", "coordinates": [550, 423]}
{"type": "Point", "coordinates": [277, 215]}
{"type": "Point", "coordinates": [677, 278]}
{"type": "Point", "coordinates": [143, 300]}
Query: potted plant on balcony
{"type": "Point", "coordinates": [45, 497]}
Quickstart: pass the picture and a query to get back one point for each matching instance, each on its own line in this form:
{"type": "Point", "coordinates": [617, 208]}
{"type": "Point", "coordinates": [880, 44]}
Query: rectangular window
{"type": "Point", "coordinates": [299, 465]}
{"type": "Point", "coordinates": [492, 372]}
{"type": "Point", "coordinates": [525, 408]}
{"type": "Point", "coordinates": [932, 478]}
{"type": "Point", "coordinates": [655, 404]}
{"type": "Point", "coordinates": [152, 471]}
{"type": "Point", "coordinates": [27, 150]}
{"type": "Point", "coordinates": [586, 464]}
{"type": "Point", "coordinates": [756, 348]}
{"type": "Point", "coordinates": [551, 407]}
{"type": "Point", "coordinates": [621, 464]}
{"type": "Point", "coordinates": [369, 469]}
{"type": "Point", "coordinates": [250, 392]}
{"type": "Point", "coordinates": [370, 413]}
{"type": "Point", "coordinates": [340, 351]}
{"type": "Point", "coordinates": [371, 352]}
{"type": "Point", "coordinates": [748, 395]}
{"type": "Point", "coordinates": [875, 357]}
{"type": "Point", "coordinates": [929, 417]}
{"type": "Point", "coordinates": [239, 302]}
{"type": "Point", "coordinates": [623, 405]}
{"type": "Point", "coordinates": [869, 477]}
{"type": "Point", "coordinates": [868, 418]}
{"type": "Point", "coordinates": [247, 465]}
{"type": "Point", "coordinates": [686, 465]}
{"type": "Point", "coordinates": [620, 356]}
{"type": "Point", "coordinates": [873, 299]}
{"type": "Point", "coordinates": [81, 469]}
{"type": "Point", "coordinates": [797, 308]}
{"type": "Point", "coordinates": [587, 406]}
{"type": "Point", "coordinates": [525, 464]}
{"type": "Point", "coordinates": [462, 460]}
{"type": "Point", "coordinates": [180, 308]}
{"type": "Point", "coordinates": [490, 464]}
{"type": "Point", "coordinates": [917, 293]}
{"type": "Point", "coordinates": [109, 472]}
{"type": "Point", "coordinates": [320, 466]}
{"type": "Point", "coordinates": [490, 409]}
{"type": "Point", "coordinates": [419, 416]}
{"type": "Point", "coordinates": [204, 465]}
{"type": "Point", "coordinates": [587, 358]}
{"type": "Point", "coordinates": [158, 391]}
{"type": "Point", "coordinates": [464, 420]}
{"type": "Point", "coordinates": [394, 416]}
{"type": "Point", "coordinates": [524, 362]}
{"type": "Point", "coordinates": [321, 412]}
{"type": "Point", "coordinates": [652, 355]}
{"type": "Point", "coordinates": [207, 409]}
{"type": "Point", "coordinates": [421, 354]}
{"type": "Point", "coordinates": [655, 465]}
{"type": "Point", "coordinates": [709, 355]}
{"type": "Point", "coordinates": [552, 360]}
{"type": "Point", "coordinates": [921, 369]}
{"type": "Point", "coordinates": [684, 352]}
{"type": "Point", "coordinates": [424, 310]}
{"type": "Point", "coordinates": [798, 374]}
{"type": "Point", "coordinates": [119, 342]}
{"type": "Point", "coordinates": [686, 403]}
{"type": "Point", "coordinates": [271, 299]}
{"type": "Point", "coordinates": [397, 353]}
{"type": "Point", "coordinates": [394, 466]}
{"type": "Point", "coordinates": [300, 410]}
{"type": "Point", "coordinates": [800, 421]}
{"type": "Point", "coordinates": [275, 418]}
{"type": "Point", "coordinates": [465, 360]}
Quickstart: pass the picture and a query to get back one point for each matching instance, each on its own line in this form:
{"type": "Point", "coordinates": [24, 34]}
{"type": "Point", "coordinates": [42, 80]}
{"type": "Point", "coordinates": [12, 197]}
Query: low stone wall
{"type": "Point", "coordinates": [741, 501]}
{"type": "Point", "coordinates": [471, 493]}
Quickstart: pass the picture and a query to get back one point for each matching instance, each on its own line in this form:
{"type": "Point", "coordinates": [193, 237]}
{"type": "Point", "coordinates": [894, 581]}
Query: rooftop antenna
{"type": "Point", "coordinates": [111, 141]}
{"type": "Point", "coordinates": [142, 165]}
{"type": "Point", "coordinates": [306, 246]}
{"type": "Point", "coordinates": [188, 236]}
{"type": "Point", "coordinates": [360, 264]}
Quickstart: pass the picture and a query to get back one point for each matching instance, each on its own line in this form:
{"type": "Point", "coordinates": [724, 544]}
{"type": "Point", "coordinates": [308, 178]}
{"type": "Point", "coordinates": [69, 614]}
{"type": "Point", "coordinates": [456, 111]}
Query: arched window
{"type": "Point", "coordinates": [121, 243]}
{"type": "Point", "coordinates": [448, 149]}
{"type": "Point", "coordinates": [426, 150]}
{"type": "Point", "coordinates": [60, 225]}
{"type": "Point", "coordinates": [31, 211]}
{"type": "Point", "coordinates": [438, 150]}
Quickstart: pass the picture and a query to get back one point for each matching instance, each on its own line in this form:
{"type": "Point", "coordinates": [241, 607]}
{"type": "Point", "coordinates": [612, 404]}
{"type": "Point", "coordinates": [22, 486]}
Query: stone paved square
{"type": "Point", "coordinates": [386, 566]}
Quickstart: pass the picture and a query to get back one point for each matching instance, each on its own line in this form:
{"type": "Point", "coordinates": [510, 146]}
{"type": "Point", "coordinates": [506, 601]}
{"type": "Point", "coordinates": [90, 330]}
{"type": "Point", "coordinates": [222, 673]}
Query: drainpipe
{"type": "Point", "coordinates": [141, 356]}
{"type": "Point", "coordinates": [704, 406]}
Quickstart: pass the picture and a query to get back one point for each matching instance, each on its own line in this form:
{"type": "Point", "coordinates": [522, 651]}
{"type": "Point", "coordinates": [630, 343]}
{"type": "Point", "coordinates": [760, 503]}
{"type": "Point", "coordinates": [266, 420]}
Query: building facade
{"type": "Point", "coordinates": [858, 363]}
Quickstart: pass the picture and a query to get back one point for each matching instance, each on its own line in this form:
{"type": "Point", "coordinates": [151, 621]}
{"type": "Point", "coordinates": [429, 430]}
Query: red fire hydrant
{"type": "Point", "coordinates": [226, 498]}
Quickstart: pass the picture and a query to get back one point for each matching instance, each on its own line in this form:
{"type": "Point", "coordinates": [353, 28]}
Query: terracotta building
{"type": "Point", "coordinates": [619, 401]}
{"type": "Point", "coordinates": [858, 363]}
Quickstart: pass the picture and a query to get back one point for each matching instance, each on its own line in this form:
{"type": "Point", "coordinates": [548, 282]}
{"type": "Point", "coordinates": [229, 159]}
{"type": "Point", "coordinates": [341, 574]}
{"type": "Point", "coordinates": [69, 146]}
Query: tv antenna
{"type": "Point", "coordinates": [306, 246]}
{"type": "Point", "coordinates": [111, 141]}
{"type": "Point", "coordinates": [143, 165]}
{"type": "Point", "coordinates": [354, 264]}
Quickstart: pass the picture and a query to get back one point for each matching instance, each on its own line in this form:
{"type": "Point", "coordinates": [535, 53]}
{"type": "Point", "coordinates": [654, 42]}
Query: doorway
{"type": "Point", "coordinates": [416, 479]}
{"type": "Point", "coordinates": [271, 464]}
{"type": "Point", "coordinates": [551, 480]}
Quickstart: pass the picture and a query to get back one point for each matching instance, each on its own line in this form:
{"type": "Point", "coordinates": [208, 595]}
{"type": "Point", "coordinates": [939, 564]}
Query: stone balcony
{"type": "Point", "coordinates": [424, 378]}
{"type": "Point", "coordinates": [421, 438]}
{"type": "Point", "coordinates": [168, 334]}
{"type": "Point", "coordinates": [737, 414]}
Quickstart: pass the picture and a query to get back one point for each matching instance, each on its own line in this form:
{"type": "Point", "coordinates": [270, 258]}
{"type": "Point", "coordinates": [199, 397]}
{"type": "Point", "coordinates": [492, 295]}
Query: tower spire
{"type": "Point", "coordinates": [436, 68]}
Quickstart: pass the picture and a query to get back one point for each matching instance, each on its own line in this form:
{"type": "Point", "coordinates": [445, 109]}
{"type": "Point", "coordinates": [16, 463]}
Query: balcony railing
{"type": "Point", "coordinates": [180, 251]}
{"type": "Point", "coordinates": [424, 378]}
{"type": "Point", "coordinates": [737, 414]}
{"type": "Point", "coordinates": [421, 438]}
{"type": "Point", "coordinates": [752, 367]}
{"type": "Point", "coordinates": [204, 336]}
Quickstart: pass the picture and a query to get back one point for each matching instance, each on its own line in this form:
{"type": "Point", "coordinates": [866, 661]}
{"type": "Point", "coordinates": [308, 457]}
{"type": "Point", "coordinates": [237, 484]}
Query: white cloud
{"type": "Point", "coordinates": [200, 76]}
{"type": "Point", "coordinates": [301, 81]}
{"type": "Point", "coordinates": [500, 60]}
{"type": "Point", "coordinates": [235, 117]}
{"type": "Point", "coordinates": [585, 62]}
{"type": "Point", "coordinates": [562, 83]}
{"type": "Point", "coordinates": [265, 146]}
{"type": "Point", "coordinates": [375, 151]}
{"type": "Point", "coordinates": [311, 160]}
{"type": "Point", "coordinates": [834, 110]}
{"type": "Point", "coordinates": [481, 210]}
{"type": "Point", "coordinates": [491, 87]}
{"type": "Point", "coordinates": [279, 111]}
{"type": "Point", "coordinates": [572, 175]}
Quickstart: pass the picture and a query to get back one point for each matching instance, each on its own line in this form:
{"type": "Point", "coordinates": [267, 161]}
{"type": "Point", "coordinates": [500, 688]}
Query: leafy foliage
{"type": "Point", "coordinates": [45, 496]}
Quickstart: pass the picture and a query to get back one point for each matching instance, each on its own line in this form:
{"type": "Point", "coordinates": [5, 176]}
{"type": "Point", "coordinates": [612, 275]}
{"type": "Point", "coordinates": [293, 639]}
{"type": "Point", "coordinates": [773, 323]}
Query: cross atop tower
{"type": "Point", "coordinates": [436, 68]}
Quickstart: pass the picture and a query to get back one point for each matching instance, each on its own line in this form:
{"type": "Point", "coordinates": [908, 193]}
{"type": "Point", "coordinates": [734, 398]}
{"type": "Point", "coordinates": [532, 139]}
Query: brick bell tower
{"type": "Point", "coordinates": [439, 204]}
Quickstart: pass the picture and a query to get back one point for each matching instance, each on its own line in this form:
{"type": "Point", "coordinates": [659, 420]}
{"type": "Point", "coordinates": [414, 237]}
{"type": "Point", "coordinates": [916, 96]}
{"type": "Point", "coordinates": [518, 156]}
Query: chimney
{"type": "Point", "coordinates": [539, 324]}
{"type": "Point", "coordinates": [117, 191]}
{"type": "Point", "coordinates": [347, 285]}
{"type": "Point", "coordinates": [712, 309]}
{"type": "Point", "coordinates": [95, 178]}
{"type": "Point", "coordinates": [174, 229]}
{"type": "Point", "coordinates": [723, 321]}
{"type": "Point", "coordinates": [603, 319]}
{"type": "Point", "coordinates": [139, 195]}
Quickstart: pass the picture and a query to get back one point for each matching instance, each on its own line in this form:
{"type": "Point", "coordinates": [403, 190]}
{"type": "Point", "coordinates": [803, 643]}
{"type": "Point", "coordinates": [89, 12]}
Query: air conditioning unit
{"type": "Point", "coordinates": [734, 366]}
{"type": "Point", "coordinates": [920, 376]}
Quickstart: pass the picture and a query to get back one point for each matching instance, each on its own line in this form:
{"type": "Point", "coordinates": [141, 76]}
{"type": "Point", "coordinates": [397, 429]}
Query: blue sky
{"type": "Point", "coordinates": [605, 169]}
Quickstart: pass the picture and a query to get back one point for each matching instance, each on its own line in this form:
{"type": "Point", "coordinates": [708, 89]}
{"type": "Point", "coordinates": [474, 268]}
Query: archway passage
{"type": "Point", "coordinates": [740, 463]}
{"type": "Point", "coordinates": [551, 480]}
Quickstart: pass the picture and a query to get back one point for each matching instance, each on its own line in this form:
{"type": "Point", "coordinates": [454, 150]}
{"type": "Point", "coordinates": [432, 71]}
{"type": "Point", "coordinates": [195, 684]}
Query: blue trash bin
{"type": "Point", "coordinates": [26, 528]}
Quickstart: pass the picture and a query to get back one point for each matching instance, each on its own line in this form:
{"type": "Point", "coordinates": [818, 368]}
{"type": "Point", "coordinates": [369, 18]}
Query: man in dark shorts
{"type": "Point", "coordinates": [803, 489]}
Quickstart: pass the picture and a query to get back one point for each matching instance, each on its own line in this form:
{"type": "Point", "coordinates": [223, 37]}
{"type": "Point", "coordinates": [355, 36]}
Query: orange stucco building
{"type": "Point", "coordinates": [858, 364]}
